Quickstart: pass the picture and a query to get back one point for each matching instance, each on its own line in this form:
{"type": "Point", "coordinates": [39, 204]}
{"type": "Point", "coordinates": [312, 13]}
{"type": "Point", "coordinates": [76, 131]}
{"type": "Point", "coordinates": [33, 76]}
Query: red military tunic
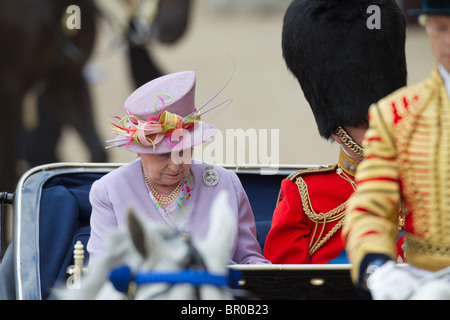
{"type": "Point", "coordinates": [306, 224]}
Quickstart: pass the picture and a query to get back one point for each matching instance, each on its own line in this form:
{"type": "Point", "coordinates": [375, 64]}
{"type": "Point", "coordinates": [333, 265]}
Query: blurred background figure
{"type": "Point", "coordinates": [44, 59]}
{"type": "Point", "coordinates": [39, 50]}
{"type": "Point", "coordinates": [162, 20]}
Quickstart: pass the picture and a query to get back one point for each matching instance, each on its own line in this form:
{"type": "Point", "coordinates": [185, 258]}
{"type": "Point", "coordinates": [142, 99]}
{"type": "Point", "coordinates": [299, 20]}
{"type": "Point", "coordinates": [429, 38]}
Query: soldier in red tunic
{"type": "Point", "coordinates": [343, 65]}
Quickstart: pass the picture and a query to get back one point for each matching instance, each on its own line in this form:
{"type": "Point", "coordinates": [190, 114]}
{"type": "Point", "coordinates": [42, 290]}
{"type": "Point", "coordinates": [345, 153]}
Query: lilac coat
{"type": "Point", "coordinates": [115, 192]}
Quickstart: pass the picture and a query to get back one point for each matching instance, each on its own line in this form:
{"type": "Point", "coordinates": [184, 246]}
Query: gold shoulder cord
{"type": "Point", "coordinates": [336, 214]}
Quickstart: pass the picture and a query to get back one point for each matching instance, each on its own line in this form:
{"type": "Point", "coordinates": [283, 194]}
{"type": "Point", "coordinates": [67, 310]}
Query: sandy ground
{"type": "Point", "coordinates": [266, 97]}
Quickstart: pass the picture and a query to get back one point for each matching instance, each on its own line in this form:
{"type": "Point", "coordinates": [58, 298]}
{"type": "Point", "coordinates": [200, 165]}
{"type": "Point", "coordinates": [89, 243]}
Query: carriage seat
{"type": "Point", "coordinates": [66, 195]}
{"type": "Point", "coordinates": [262, 192]}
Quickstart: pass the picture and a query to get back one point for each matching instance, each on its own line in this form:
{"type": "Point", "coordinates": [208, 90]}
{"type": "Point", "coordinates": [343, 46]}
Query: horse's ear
{"type": "Point", "coordinates": [137, 232]}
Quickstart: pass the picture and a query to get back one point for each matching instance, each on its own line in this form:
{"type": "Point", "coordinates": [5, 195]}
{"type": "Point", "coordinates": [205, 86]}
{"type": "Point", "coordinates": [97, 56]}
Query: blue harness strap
{"type": "Point", "coordinates": [194, 277]}
{"type": "Point", "coordinates": [121, 277]}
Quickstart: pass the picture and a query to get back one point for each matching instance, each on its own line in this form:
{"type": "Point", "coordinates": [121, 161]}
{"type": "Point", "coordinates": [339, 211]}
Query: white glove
{"type": "Point", "coordinates": [390, 282]}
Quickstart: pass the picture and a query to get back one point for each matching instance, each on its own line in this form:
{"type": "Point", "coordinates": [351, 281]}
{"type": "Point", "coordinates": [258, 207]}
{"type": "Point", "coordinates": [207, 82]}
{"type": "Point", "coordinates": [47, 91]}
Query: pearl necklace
{"type": "Point", "coordinates": [162, 199]}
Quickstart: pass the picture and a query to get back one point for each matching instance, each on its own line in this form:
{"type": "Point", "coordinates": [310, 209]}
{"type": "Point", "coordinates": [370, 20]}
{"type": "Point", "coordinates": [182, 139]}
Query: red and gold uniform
{"type": "Point", "coordinates": [307, 221]}
{"type": "Point", "coordinates": [407, 155]}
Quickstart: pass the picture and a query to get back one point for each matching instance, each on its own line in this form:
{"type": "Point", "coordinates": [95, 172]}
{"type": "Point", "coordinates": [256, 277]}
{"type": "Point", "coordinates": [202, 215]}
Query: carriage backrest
{"type": "Point", "coordinates": [66, 195]}
{"type": "Point", "coordinates": [262, 191]}
{"type": "Point", "coordinates": [51, 211]}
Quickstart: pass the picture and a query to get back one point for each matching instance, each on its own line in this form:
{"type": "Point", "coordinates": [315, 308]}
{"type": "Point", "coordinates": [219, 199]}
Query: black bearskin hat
{"type": "Point", "coordinates": [342, 62]}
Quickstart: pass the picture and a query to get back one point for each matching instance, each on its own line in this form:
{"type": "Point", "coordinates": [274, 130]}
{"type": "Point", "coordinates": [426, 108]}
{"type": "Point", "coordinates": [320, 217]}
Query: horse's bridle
{"type": "Point", "coordinates": [194, 273]}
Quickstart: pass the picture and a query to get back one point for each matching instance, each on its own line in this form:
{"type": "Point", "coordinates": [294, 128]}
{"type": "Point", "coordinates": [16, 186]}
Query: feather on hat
{"type": "Point", "coordinates": [161, 117]}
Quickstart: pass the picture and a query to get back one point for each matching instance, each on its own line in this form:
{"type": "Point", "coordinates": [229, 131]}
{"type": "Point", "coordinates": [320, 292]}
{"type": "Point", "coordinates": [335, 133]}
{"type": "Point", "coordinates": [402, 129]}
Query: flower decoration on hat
{"type": "Point", "coordinates": [151, 131]}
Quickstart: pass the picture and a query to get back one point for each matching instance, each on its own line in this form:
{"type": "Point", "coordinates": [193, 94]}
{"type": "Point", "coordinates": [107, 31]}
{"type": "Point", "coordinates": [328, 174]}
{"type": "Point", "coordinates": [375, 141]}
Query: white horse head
{"type": "Point", "coordinates": [161, 263]}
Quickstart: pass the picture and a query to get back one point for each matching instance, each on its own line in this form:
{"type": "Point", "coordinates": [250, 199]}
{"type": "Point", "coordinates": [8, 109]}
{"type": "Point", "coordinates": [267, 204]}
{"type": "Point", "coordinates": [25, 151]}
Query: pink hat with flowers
{"type": "Point", "coordinates": [161, 117]}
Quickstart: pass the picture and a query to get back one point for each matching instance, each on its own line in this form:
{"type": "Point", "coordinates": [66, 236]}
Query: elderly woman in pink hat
{"type": "Point", "coordinates": [164, 184]}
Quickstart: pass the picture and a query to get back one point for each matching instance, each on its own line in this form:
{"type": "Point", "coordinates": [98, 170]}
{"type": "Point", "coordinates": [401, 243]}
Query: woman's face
{"type": "Point", "coordinates": [166, 169]}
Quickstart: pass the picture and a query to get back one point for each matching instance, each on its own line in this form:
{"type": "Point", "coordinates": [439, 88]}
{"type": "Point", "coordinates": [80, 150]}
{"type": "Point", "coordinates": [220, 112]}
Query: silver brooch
{"type": "Point", "coordinates": [210, 176]}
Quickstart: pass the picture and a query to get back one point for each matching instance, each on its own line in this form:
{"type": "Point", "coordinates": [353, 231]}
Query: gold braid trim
{"type": "Point", "coordinates": [424, 246]}
{"type": "Point", "coordinates": [306, 171]}
{"type": "Point", "coordinates": [336, 214]}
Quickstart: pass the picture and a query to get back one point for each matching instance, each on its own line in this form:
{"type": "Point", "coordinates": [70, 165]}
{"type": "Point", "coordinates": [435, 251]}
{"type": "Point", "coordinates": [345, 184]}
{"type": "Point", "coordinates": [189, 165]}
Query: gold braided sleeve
{"type": "Point", "coordinates": [372, 211]}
